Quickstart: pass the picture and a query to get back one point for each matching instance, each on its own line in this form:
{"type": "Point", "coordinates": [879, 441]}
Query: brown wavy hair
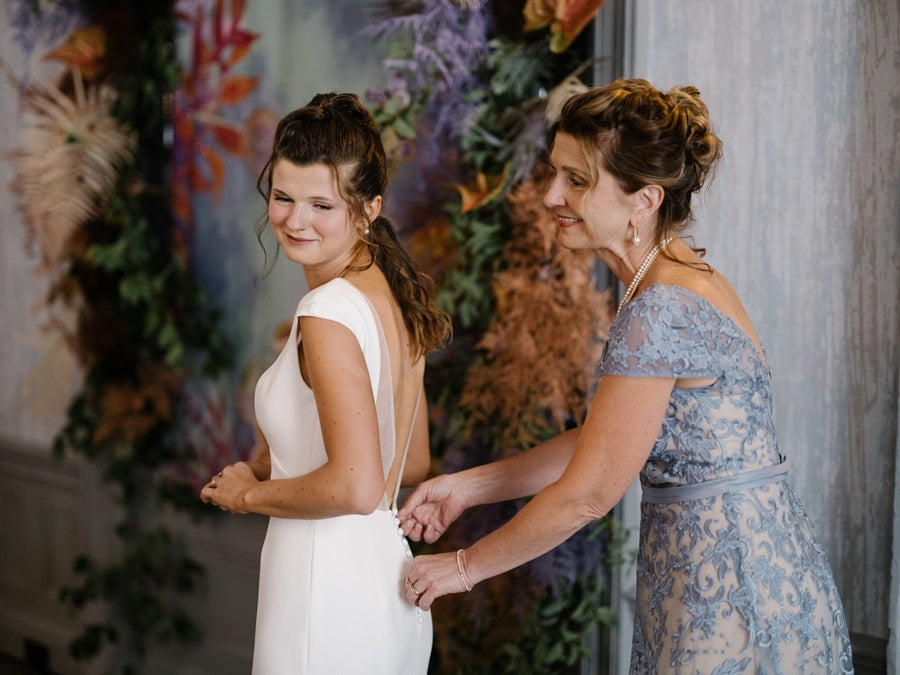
{"type": "Point", "coordinates": [643, 136]}
{"type": "Point", "coordinates": [339, 131]}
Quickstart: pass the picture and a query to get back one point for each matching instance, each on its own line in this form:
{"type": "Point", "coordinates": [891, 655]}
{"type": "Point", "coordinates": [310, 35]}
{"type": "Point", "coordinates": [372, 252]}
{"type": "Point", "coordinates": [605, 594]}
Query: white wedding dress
{"type": "Point", "coordinates": [331, 591]}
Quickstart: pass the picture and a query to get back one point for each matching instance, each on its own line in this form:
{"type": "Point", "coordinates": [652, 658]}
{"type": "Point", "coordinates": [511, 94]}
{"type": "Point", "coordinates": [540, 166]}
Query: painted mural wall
{"type": "Point", "coordinates": [803, 218]}
{"type": "Point", "coordinates": [301, 48]}
{"type": "Point", "coordinates": [49, 511]}
{"type": "Point", "coordinates": [38, 373]}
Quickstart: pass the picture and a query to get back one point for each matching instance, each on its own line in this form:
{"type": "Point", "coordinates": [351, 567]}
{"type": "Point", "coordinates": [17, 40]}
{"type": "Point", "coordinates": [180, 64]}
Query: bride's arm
{"type": "Point", "coordinates": [351, 481]}
{"type": "Point", "coordinates": [260, 461]}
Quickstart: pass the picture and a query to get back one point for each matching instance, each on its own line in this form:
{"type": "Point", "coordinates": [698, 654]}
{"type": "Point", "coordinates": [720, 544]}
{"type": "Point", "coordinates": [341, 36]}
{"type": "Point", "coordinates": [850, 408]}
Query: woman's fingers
{"type": "Point", "coordinates": [430, 577]}
{"type": "Point", "coordinates": [419, 495]}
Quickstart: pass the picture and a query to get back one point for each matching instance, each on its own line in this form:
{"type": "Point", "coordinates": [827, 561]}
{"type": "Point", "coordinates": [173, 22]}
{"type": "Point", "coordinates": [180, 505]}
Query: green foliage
{"type": "Point", "coordinates": [499, 144]}
{"type": "Point", "coordinates": [136, 587]}
{"type": "Point", "coordinates": [518, 73]}
{"type": "Point", "coordinates": [143, 327]}
{"type": "Point", "coordinates": [168, 313]}
{"type": "Point", "coordinates": [400, 113]}
{"type": "Point", "coordinates": [479, 236]}
{"type": "Point", "coordinates": [554, 637]}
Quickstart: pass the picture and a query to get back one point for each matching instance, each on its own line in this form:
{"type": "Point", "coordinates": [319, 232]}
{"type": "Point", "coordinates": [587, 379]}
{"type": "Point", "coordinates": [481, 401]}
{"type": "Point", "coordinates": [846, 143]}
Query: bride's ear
{"type": "Point", "coordinates": [373, 208]}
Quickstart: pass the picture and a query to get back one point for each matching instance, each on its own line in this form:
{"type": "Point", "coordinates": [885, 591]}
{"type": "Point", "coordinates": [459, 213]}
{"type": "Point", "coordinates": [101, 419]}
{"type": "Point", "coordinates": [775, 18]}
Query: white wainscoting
{"type": "Point", "coordinates": [51, 511]}
{"type": "Point", "coordinates": [46, 519]}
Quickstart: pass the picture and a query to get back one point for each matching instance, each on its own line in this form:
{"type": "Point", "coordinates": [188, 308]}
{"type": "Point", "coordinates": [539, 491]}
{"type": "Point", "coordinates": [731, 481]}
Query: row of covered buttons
{"type": "Point", "coordinates": [400, 532]}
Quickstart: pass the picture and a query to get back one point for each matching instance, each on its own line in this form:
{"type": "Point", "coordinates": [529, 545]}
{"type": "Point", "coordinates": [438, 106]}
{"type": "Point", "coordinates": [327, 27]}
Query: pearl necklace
{"type": "Point", "coordinates": [642, 272]}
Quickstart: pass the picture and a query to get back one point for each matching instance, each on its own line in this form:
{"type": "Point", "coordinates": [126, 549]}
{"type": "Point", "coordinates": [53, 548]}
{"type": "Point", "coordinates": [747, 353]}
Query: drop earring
{"type": "Point", "coordinates": [636, 239]}
{"type": "Point", "coordinates": [366, 231]}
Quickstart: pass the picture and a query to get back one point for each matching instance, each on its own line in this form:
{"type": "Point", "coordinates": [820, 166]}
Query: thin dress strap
{"type": "Point", "coordinates": [412, 425]}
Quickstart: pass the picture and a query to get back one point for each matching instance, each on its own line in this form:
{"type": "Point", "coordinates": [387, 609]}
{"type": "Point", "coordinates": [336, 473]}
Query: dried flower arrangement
{"type": "Point", "coordinates": [90, 175]}
{"type": "Point", "coordinates": [546, 332]}
{"type": "Point", "coordinates": [471, 86]}
{"type": "Point", "coordinates": [69, 159]}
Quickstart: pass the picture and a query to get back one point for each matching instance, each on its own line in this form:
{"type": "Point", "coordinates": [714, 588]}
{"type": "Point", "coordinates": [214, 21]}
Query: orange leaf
{"type": "Point", "coordinates": [181, 203]}
{"type": "Point", "coordinates": [571, 18]}
{"type": "Point", "coordinates": [230, 138]}
{"type": "Point", "coordinates": [240, 41]}
{"type": "Point", "coordinates": [235, 88]}
{"type": "Point", "coordinates": [85, 48]}
{"type": "Point", "coordinates": [199, 182]}
{"type": "Point", "coordinates": [538, 13]}
{"type": "Point", "coordinates": [238, 52]}
{"type": "Point", "coordinates": [482, 191]}
{"type": "Point", "coordinates": [217, 168]}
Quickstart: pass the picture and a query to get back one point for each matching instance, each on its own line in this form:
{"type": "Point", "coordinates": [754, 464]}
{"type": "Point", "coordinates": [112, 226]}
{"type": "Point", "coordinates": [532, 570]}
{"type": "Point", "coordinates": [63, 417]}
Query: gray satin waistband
{"type": "Point", "coordinates": [711, 488]}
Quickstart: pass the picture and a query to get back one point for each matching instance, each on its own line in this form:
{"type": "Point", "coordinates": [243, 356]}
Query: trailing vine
{"type": "Point", "coordinates": [142, 324]}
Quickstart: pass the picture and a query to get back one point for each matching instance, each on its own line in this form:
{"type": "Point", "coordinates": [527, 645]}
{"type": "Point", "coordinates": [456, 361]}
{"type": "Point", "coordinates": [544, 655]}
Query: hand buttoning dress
{"type": "Point", "coordinates": [331, 595]}
{"type": "Point", "coordinates": [730, 576]}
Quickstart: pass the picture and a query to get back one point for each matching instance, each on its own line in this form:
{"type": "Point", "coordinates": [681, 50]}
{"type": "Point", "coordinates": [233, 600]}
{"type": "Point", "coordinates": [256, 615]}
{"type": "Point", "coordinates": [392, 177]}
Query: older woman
{"type": "Point", "coordinates": [730, 577]}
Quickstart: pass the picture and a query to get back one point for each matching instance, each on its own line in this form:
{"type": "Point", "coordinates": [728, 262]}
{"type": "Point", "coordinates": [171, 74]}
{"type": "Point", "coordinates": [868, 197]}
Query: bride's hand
{"type": "Point", "coordinates": [227, 488]}
{"type": "Point", "coordinates": [431, 508]}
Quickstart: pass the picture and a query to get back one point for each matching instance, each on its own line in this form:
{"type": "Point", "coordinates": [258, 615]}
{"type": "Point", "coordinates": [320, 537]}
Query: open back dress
{"type": "Point", "coordinates": [331, 590]}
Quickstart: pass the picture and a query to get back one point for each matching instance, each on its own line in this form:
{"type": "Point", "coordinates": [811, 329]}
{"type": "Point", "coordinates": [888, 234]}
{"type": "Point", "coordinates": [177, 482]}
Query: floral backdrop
{"type": "Point", "coordinates": [151, 136]}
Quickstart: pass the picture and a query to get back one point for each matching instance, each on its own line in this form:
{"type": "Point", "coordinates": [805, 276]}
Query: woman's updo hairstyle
{"type": "Point", "coordinates": [645, 137]}
{"type": "Point", "coordinates": [337, 130]}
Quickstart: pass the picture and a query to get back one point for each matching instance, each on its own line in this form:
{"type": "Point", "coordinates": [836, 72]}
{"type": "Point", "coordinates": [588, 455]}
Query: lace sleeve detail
{"type": "Point", "coordinates": [664, 332]}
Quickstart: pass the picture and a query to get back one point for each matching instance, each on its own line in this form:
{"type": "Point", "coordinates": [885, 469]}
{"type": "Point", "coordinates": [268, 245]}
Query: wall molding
{"type": "Point", "coordinates": [51, 511]}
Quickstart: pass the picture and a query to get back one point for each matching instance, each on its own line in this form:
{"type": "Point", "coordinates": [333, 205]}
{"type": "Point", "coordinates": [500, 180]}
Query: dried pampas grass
{"type": "Point", "coordinates": [68, 160]}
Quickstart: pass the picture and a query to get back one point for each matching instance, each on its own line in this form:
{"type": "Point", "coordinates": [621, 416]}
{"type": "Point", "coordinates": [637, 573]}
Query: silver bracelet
{"type": "Point", "coordinates": [462, 574]}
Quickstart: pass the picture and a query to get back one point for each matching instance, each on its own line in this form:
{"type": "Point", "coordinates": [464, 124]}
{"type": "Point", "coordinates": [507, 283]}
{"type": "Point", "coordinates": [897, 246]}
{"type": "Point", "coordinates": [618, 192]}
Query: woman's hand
{"type": "Point", "coordinates": [227, 488]}
{"type": "Point", "coordinates": [430, 577]}
{"type": "Point", "coordinates": [431, 508]}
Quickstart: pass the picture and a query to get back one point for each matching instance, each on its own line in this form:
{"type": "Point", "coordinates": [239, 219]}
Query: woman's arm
{"type": "Point", "coordinates": [436, 503]}
{"type": "Point", "coordinates": [617, 437]}
{"type": "Point", "coordinates": [351, 481]}
{"type": "Point", "coordinates": [521, 475]}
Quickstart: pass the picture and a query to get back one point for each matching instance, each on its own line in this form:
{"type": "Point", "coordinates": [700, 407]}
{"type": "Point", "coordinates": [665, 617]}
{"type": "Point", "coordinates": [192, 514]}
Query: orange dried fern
{"type": "Point", "coordinates": [546, 335]}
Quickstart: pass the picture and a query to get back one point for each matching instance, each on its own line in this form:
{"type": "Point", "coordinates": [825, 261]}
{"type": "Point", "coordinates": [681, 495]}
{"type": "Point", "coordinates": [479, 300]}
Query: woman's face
{"type": "Point", "coordinates": [589, 218]}
{"type": "Point", "coordinates": [311, 221]}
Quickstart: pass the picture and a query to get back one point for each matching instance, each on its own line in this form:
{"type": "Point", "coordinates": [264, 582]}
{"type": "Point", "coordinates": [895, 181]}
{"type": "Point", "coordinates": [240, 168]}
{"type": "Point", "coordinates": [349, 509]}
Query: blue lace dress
{"type": "Point", "coordinates": [730, 577]}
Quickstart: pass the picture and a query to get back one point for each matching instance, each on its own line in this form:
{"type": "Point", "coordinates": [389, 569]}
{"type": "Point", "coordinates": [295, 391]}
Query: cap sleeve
{"type": "Point", "coordinates": [661, 333]}
{"type": "Point", "coordinates": [341, 302]}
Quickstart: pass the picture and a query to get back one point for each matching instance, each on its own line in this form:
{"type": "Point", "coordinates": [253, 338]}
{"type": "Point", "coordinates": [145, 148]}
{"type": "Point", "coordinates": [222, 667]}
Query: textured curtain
{"type": "Point", "coordinates": [803, 218]}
